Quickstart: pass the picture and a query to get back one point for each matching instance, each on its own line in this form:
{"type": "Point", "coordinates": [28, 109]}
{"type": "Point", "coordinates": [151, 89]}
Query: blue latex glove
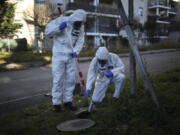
{"type": "Point", "coordinates": [62, 25]}
{"type": "Point", "coordinates": [109, 74]}
{"type": "Point", "coordinates": [74, 55]}
{"type": "Point", "coordinates": [87, 93]}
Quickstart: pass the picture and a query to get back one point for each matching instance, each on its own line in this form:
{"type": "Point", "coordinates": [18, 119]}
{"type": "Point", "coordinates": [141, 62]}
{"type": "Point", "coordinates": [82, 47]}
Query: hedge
{"type": "Point", "coordinates": [14, 45]}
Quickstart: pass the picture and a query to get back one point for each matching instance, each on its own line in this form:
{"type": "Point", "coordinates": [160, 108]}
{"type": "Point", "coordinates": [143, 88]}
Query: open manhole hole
{"type": "Point", "coordinates": [75, 125]}
{"type": "Point", "coordinates": [83, 112]}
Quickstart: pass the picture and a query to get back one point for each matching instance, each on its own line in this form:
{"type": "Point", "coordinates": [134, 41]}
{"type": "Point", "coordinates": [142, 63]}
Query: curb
{"type": "Point", "coordinates": [84, 59]}
{"type": "Point", "coordinates": [26, 65]}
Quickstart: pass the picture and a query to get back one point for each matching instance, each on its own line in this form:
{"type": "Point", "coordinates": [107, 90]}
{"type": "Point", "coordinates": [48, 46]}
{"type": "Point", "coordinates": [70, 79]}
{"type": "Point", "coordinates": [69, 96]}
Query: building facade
{"type": "Point", "coordinates": [25, 9]}
{"type": "Point", "coordinates": [104, 20]}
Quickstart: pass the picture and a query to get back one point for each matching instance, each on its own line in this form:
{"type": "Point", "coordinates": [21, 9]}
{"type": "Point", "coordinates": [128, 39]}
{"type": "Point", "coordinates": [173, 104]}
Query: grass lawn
{"type": "Point", "coordinates": [88, 52]}
{"type": "Point", "coordinates": [125, 116]}
{"type": "Point", "coordinates": [25, 56]}
{"type": "Point", "coordinates": [13, 61]}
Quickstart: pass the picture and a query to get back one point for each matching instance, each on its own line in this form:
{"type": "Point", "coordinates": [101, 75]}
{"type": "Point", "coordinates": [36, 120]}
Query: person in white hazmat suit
{"type": "Point", "coordinates": [68, 39]}
{"type": "Point", "coordinates": [104, 68]}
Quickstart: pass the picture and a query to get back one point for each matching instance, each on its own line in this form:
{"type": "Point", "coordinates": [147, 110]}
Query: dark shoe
{"type": "Point", "coordinates": [69, 106]}
{"type": "Point", "coordinates": [57, 108]}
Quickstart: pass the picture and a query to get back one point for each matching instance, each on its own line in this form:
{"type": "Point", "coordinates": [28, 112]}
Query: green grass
{"type": "Point", "coordinates": [125, 116]}
{"type": "Point", "coordinates": [25, 56]}
{"type": "Point", "coordinates": [157, 46]}
{"type": "Point", "coordinates": [161, 45]}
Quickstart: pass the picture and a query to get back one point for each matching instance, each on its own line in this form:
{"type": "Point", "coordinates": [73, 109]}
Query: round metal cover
{"type": "Point", "coordinates": [75, 125]}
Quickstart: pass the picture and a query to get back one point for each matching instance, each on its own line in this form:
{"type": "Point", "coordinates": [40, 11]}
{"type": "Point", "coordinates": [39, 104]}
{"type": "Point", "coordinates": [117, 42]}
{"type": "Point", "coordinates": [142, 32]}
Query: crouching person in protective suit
{"type": "Point", "coordinates": [104, 68]}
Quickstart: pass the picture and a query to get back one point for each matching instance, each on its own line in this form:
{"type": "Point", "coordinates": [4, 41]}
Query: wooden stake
{"type": "Point", "coordinates": [135, 51]}
{"type": "Point", "coordinates": [132, 58]}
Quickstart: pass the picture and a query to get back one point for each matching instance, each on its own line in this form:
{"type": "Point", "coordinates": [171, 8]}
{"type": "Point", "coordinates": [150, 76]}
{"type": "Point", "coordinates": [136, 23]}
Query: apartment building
{"type": "Point", "coordinates": [163, 12]}
{"type": "Point", "coordinates": [107, 23]}
{"type": "Point", "coordinates": [174, 34]}
{"type": "Point", "coordinates": [104, 20]}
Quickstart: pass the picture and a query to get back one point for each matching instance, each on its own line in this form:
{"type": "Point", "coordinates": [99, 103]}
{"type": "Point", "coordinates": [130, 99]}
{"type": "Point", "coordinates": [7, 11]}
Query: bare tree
{"type": "Point", "coordinates": [39, 15]}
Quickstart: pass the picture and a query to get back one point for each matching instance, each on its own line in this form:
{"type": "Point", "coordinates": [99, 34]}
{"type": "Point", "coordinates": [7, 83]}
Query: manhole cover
{"type": "Point", "coordinates": [75, 125]}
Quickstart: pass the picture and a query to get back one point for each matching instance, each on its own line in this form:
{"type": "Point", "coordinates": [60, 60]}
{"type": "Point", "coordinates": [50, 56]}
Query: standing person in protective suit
{"type": "Point", "coordinates": [104, 68]}
{"type": "Point", "coordinates": [68, 39]}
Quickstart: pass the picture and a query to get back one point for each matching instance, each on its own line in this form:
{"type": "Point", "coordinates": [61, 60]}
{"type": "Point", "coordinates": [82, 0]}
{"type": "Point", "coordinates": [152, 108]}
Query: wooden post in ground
{"type": "Point", "coordinates": [132, 58]}
{"type": "Point", "coordinates": [135, 51]}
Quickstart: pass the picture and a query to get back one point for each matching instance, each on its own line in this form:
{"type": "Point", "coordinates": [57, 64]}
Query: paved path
{"type": "Point", "coordinates": [27, 87]}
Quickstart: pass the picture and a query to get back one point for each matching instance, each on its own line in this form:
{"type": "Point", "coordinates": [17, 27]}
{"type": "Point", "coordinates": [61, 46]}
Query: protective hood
{"type": "Point", "coordinates": [78, 15]}
{"type": "Point", "coordinates": [102, 53]}
{"type": "Point", "coordinates": [57, 7]}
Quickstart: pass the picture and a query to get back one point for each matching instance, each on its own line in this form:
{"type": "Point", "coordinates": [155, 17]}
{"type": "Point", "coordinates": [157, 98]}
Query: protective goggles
{"type": "Point", "coordinates": [102, 62]}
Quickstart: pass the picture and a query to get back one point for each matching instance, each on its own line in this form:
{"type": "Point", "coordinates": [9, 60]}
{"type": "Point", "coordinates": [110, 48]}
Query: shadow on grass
{"type": "Point", "coordinates": [23, 60]}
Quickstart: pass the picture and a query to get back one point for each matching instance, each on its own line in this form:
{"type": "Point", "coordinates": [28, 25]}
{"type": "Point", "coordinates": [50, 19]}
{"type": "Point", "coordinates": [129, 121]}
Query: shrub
{"type": "Point", "coordinates": [21, 45]}
{"type": "Point", "coordinates": [14, 45]}
{"type": "Point", "coordinates": [124, 41]}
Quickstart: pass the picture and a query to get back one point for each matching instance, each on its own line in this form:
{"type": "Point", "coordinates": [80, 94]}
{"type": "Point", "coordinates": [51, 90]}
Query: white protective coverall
{"type": "Point", "coordinates": [96, 74]}
{"type": "Point", "coordinates": [63, 65]}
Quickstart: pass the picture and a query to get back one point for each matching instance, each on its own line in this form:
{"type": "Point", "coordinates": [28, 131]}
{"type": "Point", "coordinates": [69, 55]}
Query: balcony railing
{"type": "Point", "coordinates": [104, 24]}
{"type": "Point", "coordinates": [161, 21]}
{"type": "Point", "coordinates": [154, 3]}
{"type": "Point", "coordinates": [158, 4]}
{"type": "Point", "coordinates": [87, 7]}
{"type": "Point", "coordinates": [40, 1]}
{"type": "Point", "coordinates": [172, 11]}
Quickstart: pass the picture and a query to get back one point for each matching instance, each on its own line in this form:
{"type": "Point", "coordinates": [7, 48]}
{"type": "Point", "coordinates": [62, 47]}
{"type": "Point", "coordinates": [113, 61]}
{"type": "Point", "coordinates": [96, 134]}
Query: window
{"type": "Point", "coordinates": [140, 11]}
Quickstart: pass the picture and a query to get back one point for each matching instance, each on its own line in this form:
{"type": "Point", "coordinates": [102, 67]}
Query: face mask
{"type": "Point", "coordinates": [59, 5]}
{"type": "Point", "coordinates": [102, 62]}
{"type": "Point", "coordinates": [77, 25]}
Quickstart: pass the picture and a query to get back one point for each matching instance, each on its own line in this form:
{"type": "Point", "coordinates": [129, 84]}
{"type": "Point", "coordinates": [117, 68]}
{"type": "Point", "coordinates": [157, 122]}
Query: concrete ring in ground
{"type": "Point", "coordinates": [75, 125]}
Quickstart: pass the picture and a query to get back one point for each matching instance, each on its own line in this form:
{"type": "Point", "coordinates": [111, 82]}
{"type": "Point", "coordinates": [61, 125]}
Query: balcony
{"type": "Point", "coordinates": [92, 8]}
{"type": "Point", "coordinates": [164, 20]}
{"type": "Point", "coordinates": [172, 11]}
{"type": "Point", "coordinates": [40, 1]}
{"type": "Point", "coordinates": [159, 20]}
{"type": "Point", "coordinates": [102, 25]}
{"type": "Point", "coordinates": [158, 4]}
{"type": "Point", "coordinates": [106, 22]}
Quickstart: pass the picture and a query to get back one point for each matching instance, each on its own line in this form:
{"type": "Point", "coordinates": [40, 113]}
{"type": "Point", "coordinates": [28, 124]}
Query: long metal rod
{"type": "Point", "coordinates": [135, 51]}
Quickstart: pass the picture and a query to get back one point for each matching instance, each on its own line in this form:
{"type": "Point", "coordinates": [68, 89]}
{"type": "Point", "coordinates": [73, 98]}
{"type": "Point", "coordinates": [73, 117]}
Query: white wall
{"type": "Point", "coordinates": [137, 5]}
{"type": "Point", "coordinates": [141, 10]}
{"type": "Point", "coordinates": [28, 30]}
